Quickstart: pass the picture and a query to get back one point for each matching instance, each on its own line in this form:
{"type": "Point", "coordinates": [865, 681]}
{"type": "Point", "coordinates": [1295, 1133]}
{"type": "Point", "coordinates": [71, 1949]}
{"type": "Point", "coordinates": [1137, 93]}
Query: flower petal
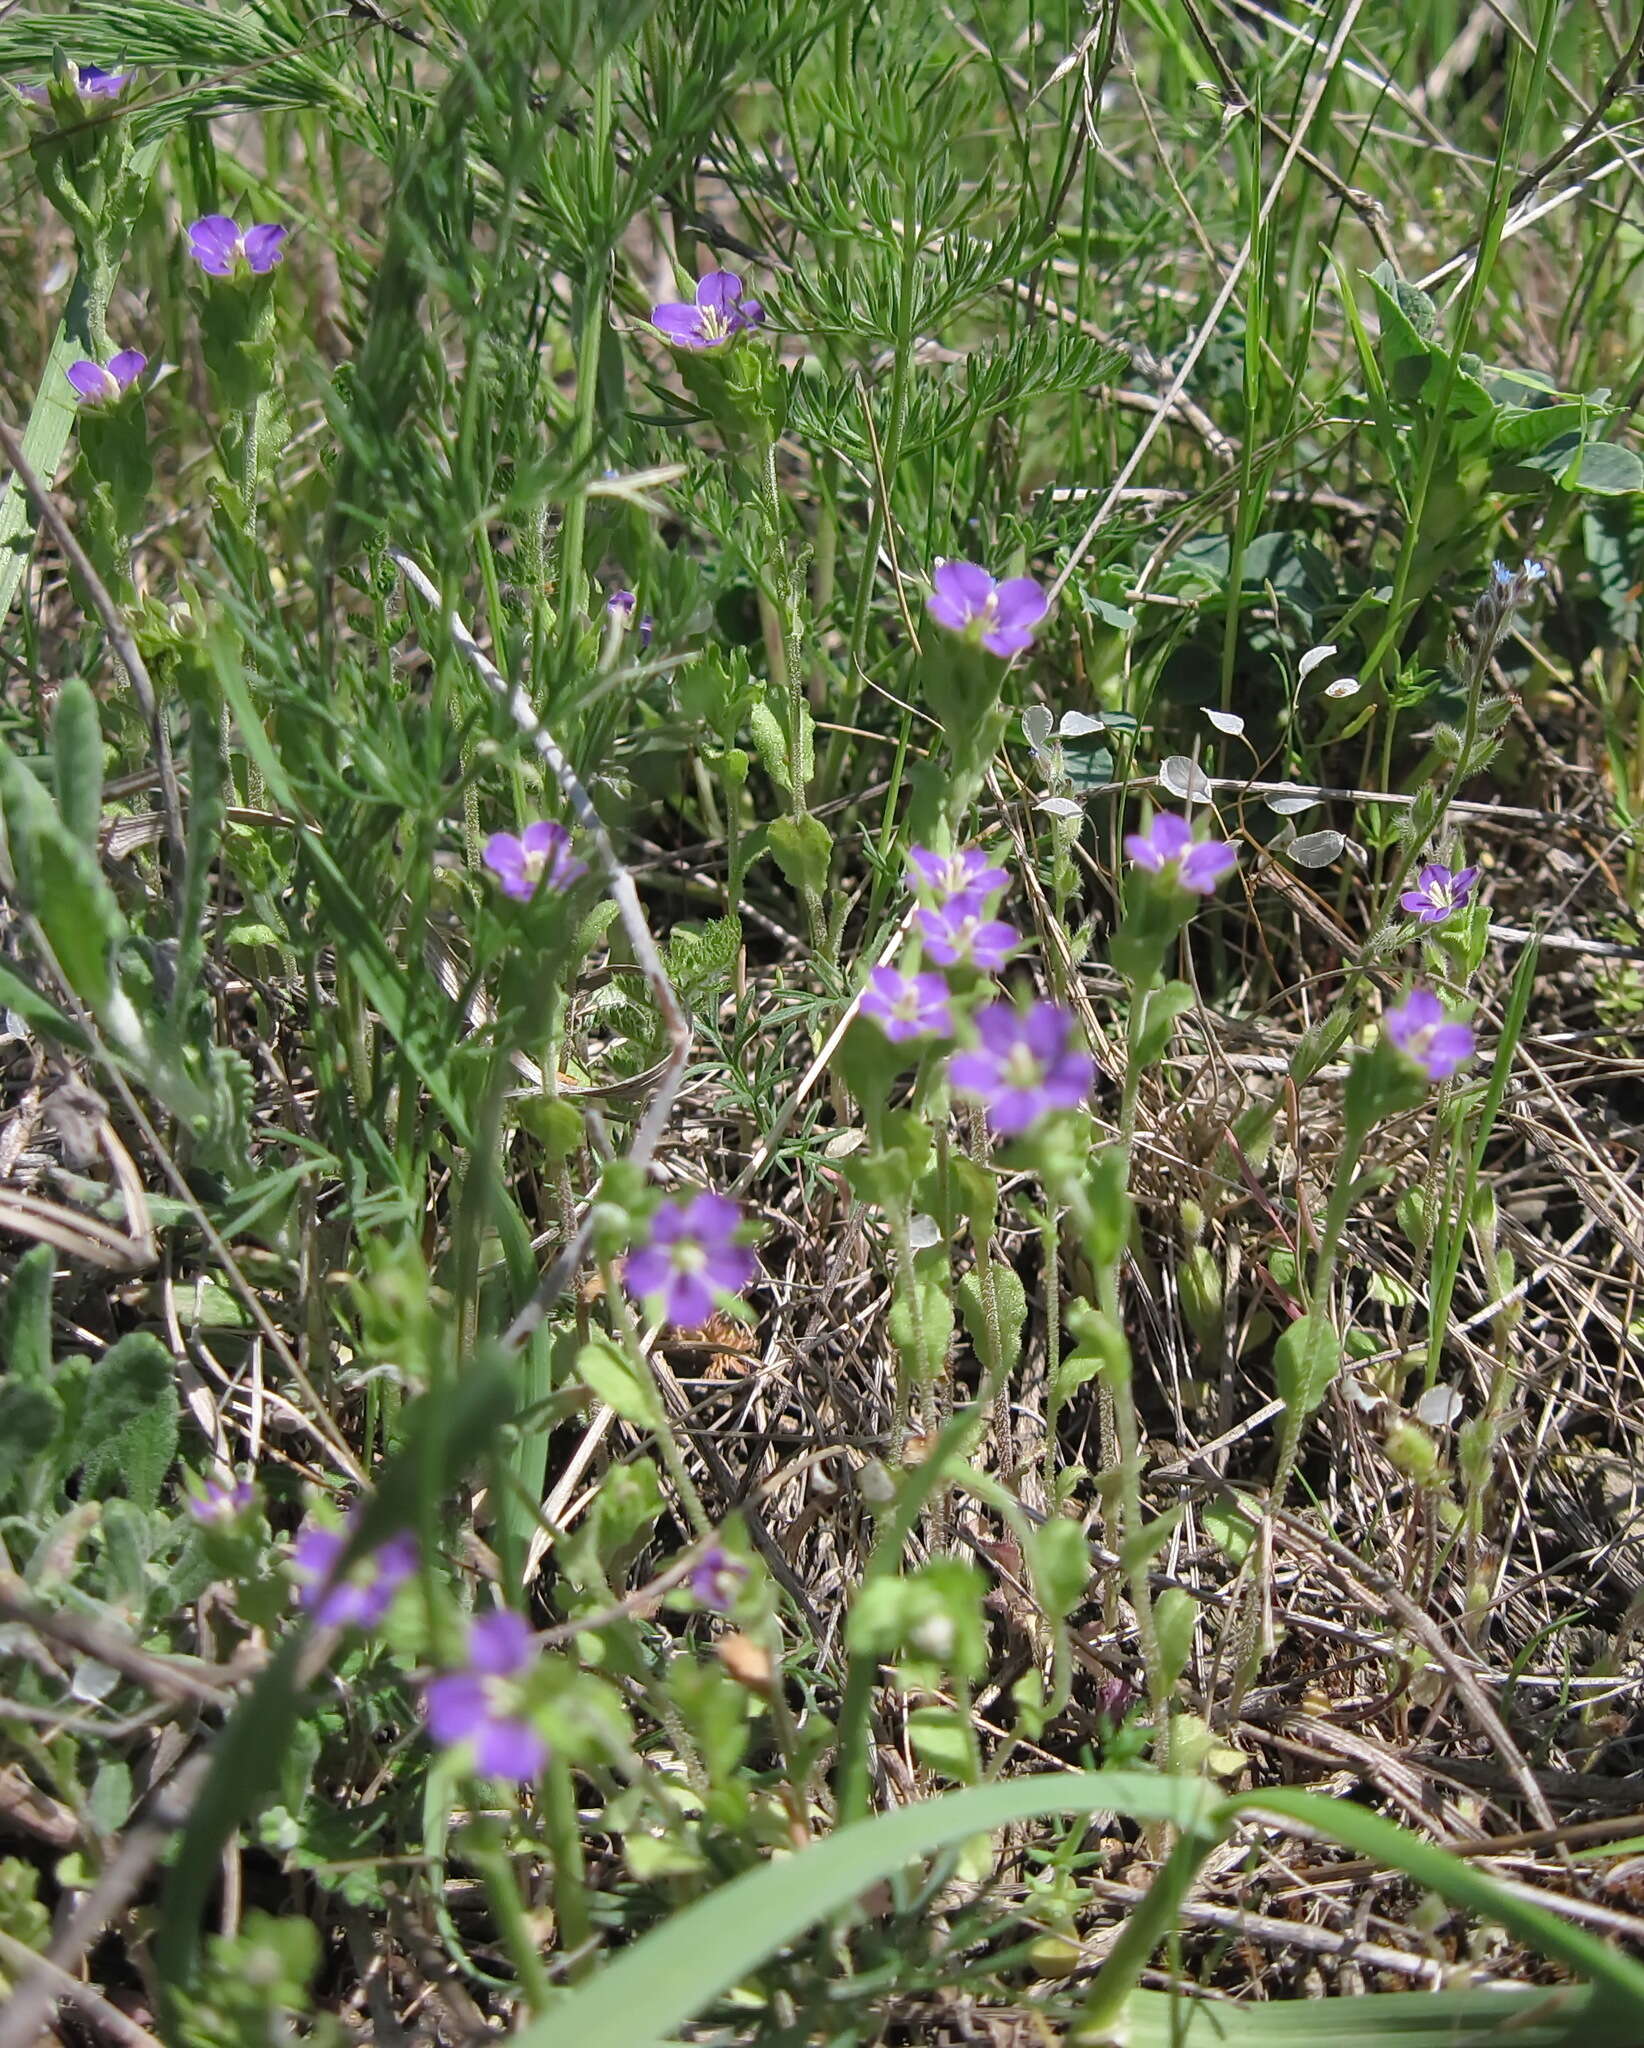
{"type": "Point", "coordinates": [680, 324]}
{"type": "Point", "coordinates": [959, 593]}
{"type": "Point", "coordinates": [711, 1218]}
{"type": "Point", "coordinates": [688, 1301]}
{"type": "Point", "coordinates": [1020, 602]}
{"type": "Point", "coordinates": [214, 243]}
{"type": "Point", "coordinates": [499, 1643]}
{"type": "Point", "coordinates": [508, 1748]}
{"type": "Point", "coordinates": [457, 1706]}
{"type": "Point", "coordinates": [126, 367]}
{"type": "Point", "coordinates": [719, 292]}
{"type": "Point", "coordinates": [264, 246]}
{"type": "Point", "coordinates": [91, 380]}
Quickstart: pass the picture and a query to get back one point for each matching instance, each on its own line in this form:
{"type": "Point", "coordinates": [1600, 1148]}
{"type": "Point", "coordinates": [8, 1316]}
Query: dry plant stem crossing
{"type": "Point", "coordinates": [629, 909]}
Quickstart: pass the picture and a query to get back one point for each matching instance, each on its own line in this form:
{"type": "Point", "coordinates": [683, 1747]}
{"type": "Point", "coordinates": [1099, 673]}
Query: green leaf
{"type": "Point", "coordinates": [1305, 1361]}
{"type": "Point", "coordinates": [60, 882]}
{"type": "Point", "coordinates": [943, 1741]}
{"type": "Point", "coordinates": [129, 1429]}
{"type": "Point", "coordinates": [771, 744]}
{"type": "Point", "coordinates": [1059, 1558]}
{"type": "Point", "coordinates": [1010, 1299]}
{"type": "Point", "coordinates": [648, 1992]}
{"type": "Point", "coordinates": [77, 761]}
{"type": "Point", "coordinates": [1164, 1006]}
{"type": "Point", "coordinates": [29, 1419]}
{"type": "Point", "coordinates": [1175, 1614]}
{"type": "Point", "coordinates": [605, 1368]}
{"type": "Point", "coordinates": [803, 850]}
{"type": "Point", "coordinates": [1606, 468]}
{"type": "Point", "coordinates": [25, 1316]}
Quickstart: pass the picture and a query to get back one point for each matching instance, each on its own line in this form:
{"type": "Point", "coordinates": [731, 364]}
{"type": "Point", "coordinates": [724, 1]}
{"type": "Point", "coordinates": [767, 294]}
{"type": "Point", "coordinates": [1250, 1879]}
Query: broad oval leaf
{"type": "Point", "coordinates": [1184, 779]}
{"type": "Point", "coordinates": [1317, 849]}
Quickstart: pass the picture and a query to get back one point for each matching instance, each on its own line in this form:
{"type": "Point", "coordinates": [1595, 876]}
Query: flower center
{"type": "Point", "coordinates": [532, 863]}
{"type": "Point", "coordinates": [1022, 1069]}
{"type": "Point", "coordinates": [688, 1257]}
{"type": "Point", "coordinates": [715, 325]}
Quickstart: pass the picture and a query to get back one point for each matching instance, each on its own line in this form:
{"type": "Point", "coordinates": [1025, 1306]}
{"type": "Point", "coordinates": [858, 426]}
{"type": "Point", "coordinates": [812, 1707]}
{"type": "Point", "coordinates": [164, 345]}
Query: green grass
{"type": "Point", "coordinates": [1063, 1502]}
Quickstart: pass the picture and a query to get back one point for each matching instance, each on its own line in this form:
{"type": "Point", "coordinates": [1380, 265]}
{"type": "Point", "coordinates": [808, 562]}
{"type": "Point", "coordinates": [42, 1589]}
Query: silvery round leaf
{"type": "Point", "coordinates": [1058, 807]}
{"type": "Point", "coordinates": [93, 1681]}
{"type": "Point", "coordinates": [1310, 661]}
{"type": "Point", "coordinates": [1226, 721]}
{"type": "Point", "coordinates": [1344, 686]}
{"type": "Point", "coordinates": [1184, 779]}
{"type": "Point", "coordinates": [1317, 849]}
{"type": "Point", "coordinates": [923, 1232]}
{"type": "Point", "coordinates": [1290, 806]}
{"type": "Point", "coordinates": [1076, 724]}
{"type": "Point", "coordinates": [843, 1143]}
{"type": "Point", "coordinates": [1439, 1407]}
{"type": "Point", "coordinates": [1036, 724]}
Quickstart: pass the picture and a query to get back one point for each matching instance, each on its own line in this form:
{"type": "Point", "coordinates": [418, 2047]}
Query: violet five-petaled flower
{"type": "Point", "coordinates": [968, 872]}
{"type": "Point", "coordinates": [1419, 1030]}
{"type": "Point", "coordinates": [720, 312]}
{"type": "Point", "coordinates": [1168, 847]}
{"type": "Point", "coordinates": [218, 1503]}
{"type": "Point", "coordinates": [907, 1006]}
{"type": "Point", "coordinates": [1439, 891]}
{"type": "Point", "coordinates": [541, 854]}
{"type": "Point", "coordinates": [365, 1596]}
{"type": "Point", "coordinates": [1026, 1066]}
{"type": "Point", "coordinates": [220, 249]}
{"type": "Point", "coordinates": [691, 1255]}
{"type": "Point", "coordinates": [103, 383]}
{"type": "Point", "coordinates": [481, 1705]}
{"type": "Point", "coordinates": [91, 82]}
{"type": "Point", "coordinates": [960, 933]}
{"type": "Point", "coordinates": [715, 1577]}
{"type": "Point", "coordinates": [966, 599]}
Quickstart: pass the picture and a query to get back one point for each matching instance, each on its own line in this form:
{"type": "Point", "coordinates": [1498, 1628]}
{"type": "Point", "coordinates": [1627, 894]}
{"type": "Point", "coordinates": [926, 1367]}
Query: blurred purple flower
{"type": "Point", "coordinates": [98, 384]}
{"type": "Point", "coordinates": [1418, 1028]}
{"type": "Point", "coordinates": [1025, 1067]}
{"type": "Point", "coordinates": [541, 853]}
{"type": "Point", "coordinates": [1168, 847]}
{"type": "Point", "coordinates": [219, 248]}
{"type": "Point", "coordinates": [960, 933]}
{"type": "Point", "coordinates": [622, 604]}
{"type": "Point", "coordinates": [907, 1006]}
{"type": "Point", "coordinates": [967, 872]}
{"type": "Point", "coordinates": [218, 1503]}
{"type": "Point", "coordinates": [966, 599]}
{"type": "Point", "coordinates": [365, 1596]}
{"type": "Point", "coordinates": [690, 1256]}
{"type": "Point", "coordinates": [481, 1706]}
{"type": "Point", "coordinates": [91, 82]}
{"type": "Point", "coordinates": [715, 1577]}
{"type": "Point", "coordinates": [1439, 892]}
{"type": "Point", "coordinates": [719, 313]}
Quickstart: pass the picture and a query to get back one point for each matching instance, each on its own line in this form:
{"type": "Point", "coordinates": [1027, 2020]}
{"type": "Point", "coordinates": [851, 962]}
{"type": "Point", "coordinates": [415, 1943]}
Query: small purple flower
{"type": "Point", "coordinates": [1439, 892]}
{"type": "Point", "coordinates": [539, 854]}
{"type": "Point", "coordinates": [1418, 1028]}
{"type": "Point", "coordinates": [365, 1596]}
{"type": "Point", "coordinates": [967, 872]}
{"type": "Point", "coordinates": [216, 1503]}
{"type": "Point", "coordinates": [1025, 1067]}
{"type": "Point", "coordinates": [907, 1006]}
{"type": "Point", "coordinates": [482, 1705]}
{"type": "Point", "coordinates": [715, 1577]}
{"type": "Point", "coordinates": [690, 1257]}
{"type": "Point", "coordinates": [219, 248]}
{"type": "Point", "coordinates": [91, 82]}
{"type": "Point", "coordinates": [1168, 847]}
{"type": "Point", "coordinates": [966, 599]}
{"type": "Point", "coordinates": [959, 933]}
{"type": "Point", "coordinates": [719, 313]}
{"type": "Point", "coordinates": [622, 604]}
{"type": "Point", "coordinates": [98, 384]}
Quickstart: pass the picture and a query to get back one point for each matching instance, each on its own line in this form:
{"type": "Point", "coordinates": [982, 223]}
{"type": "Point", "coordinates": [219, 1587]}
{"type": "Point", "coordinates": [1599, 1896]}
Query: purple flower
{"type": "Point", "coordinates": [541, 853]}
{"type": "Point", "coordinates": [482, 1706]}
{"type": "Point", "coordinates": [1417, 1027]}
{"type": "Point", "coordinates": [966, 872]}
{"type": "Point", "coordinates": [959, 933]}
{"type": "Point", "coordinates": [720, 312]}
{"type": "Point", "coordinates": [1168, 847]}
{"type": "Point", "coordinates": [690, 1256]}
{"type": "Point", "coordinates": [98, 384]}
{"type": "Point", "coordinates": [219, 248]}
{"type": "Point", "coordinates": [966, 599]}
{"type": "Point", "coordinates": [91, 82]}
{"type": "Point", "coordinates": [1438, 892]}
{"type": "Point", "coordinates": [622, 604]}
{"type": "Point", "coordinates": [1025, 1067]}
{"type": "Point", "coordinates": [907, 1006]}
{"type": "Point", "coordinates": [218, 1503]}
{"type": "Point", "coordinates": [365, 1596]}
{"type": "Point", "coordinates": [715, 1577]}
